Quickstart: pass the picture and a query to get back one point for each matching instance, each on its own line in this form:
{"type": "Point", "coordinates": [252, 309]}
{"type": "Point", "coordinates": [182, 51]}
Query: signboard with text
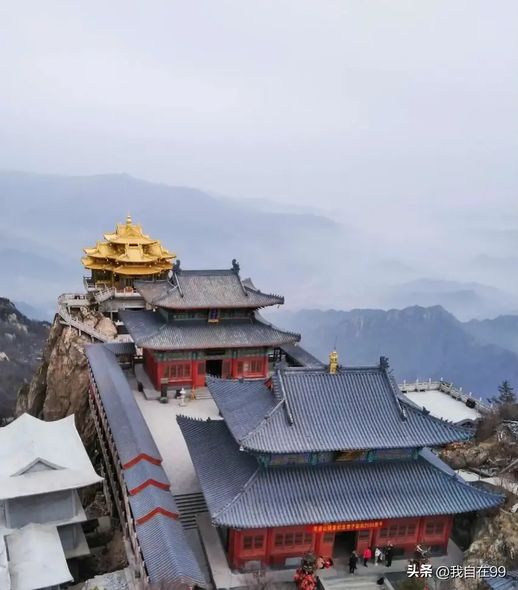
{"type": "Point", "coordinates": [340, 527]}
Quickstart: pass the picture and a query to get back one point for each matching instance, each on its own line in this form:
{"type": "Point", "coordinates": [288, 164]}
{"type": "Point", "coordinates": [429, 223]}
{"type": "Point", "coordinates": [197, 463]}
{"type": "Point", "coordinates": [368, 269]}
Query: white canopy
{"type": "Point", "coordinates": [36, 558]}
{"type": "Point", "coordinates": [37, 457]}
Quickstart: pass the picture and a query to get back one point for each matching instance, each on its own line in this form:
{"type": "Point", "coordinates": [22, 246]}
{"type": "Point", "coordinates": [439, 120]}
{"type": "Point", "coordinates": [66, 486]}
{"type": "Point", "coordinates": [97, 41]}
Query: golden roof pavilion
{"type": "Point", "coordinates": [127, 253]}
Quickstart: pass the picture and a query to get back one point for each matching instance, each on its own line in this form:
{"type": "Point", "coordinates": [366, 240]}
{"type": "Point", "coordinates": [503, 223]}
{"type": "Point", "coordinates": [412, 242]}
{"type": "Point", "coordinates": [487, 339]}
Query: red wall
{"type": "Point", "coordinates": [270, 552]}
{"type": "Point", "coordinates": [246, 366]}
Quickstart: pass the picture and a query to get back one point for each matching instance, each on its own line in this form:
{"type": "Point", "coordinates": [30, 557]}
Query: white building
{"type": "Point", "coordinates": [42, 465]}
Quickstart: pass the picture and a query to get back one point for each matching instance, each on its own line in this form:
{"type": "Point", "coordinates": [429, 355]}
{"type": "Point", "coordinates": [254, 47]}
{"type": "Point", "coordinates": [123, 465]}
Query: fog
{"type": "Point", "coordinates": [397, 119]}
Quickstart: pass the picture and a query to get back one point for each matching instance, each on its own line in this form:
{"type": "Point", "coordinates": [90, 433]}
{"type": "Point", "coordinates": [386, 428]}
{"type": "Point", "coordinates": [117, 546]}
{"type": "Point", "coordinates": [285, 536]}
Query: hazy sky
{"type": "Point", "coordinates": [362, 106]}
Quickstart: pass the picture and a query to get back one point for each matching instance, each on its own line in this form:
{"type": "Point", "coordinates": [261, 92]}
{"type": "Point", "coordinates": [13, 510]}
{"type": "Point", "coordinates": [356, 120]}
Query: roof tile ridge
{"type": "Point", "coordinates": [289, 414]}
{"type": "Point", "coordinates": [415, 409]}
{"type": "Point", "coordinates": [259, 426]}
{"type": "Point", "coordinates": [176, 283]}
{"type": "Point", "coordinates": [458, 478]}
{"type": "Point", "coordinates": [240, 281]}
{"type": "Point", "coordinates": [250, 482]}
{"type": "Point", "coordinates": [257, 291]}
{"type": "Point", "coordinates": [169, 289]}
{"type": "Point", "coordinates": [394, 389]}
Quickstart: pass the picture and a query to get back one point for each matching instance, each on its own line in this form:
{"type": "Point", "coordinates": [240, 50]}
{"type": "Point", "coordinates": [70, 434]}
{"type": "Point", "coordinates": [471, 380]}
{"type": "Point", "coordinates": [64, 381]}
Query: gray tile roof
{"type": "Point", "coordinates": [151, 498]}
{"type": "Point", "coordinates": [311, 410]}
{"type": "Point", "coordinates": [301, 357]}
{"type": "Point", "coordinates": [203, 289]}
{"type": "Point", "coordinates": [150, 330]}
{"type": "Point", "coordinates": [239, 493]}
{"type": "Point", "coordinates": [508, 582]}
{"type": "Point", "coordinates": [166, 552]}
{"type": "Point", "coordinates": [142, 472]}
{"type": "Point", "coordinates": [129, 429]}
{"type": "Point", "coordinates": [120, 348]}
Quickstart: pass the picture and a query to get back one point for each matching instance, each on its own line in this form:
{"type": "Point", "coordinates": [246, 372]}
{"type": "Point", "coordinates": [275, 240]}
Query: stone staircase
{"type": "Point", "coordinates": [104, 294]}
{"type": "Point", "coordinates": [67, 300]}
{"type": "Point", "coordinates": [189, 506]}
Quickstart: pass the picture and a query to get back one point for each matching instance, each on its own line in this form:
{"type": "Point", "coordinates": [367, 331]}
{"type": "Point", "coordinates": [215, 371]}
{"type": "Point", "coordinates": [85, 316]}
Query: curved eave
{"type": "Point", "coordinates": [251, 447]}
{"type": "Point", "coordinates": [142, 344]}
{"type": "Point", "coordinates": [176, 307]}
{"type": "Point", "coordinates": [140, 270]}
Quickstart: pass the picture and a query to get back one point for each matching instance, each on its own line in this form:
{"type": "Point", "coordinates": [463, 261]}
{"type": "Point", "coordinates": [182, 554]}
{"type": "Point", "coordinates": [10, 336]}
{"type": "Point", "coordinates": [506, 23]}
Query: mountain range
{"type": "Point", "coordinates": [315, 259]}
{"type": "Point", "coordinates": [421, 343]}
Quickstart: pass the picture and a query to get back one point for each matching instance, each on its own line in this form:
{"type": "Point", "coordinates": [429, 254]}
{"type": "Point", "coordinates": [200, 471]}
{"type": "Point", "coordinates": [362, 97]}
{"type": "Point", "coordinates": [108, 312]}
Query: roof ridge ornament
{"type": "Point", "coordinates": [333, 362]}
{"type": "Point", "coordinates": [235, 269]}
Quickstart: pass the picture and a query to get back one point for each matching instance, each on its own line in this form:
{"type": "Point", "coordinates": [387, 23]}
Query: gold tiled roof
{"type": "Point", "coordinates": [128, 251]}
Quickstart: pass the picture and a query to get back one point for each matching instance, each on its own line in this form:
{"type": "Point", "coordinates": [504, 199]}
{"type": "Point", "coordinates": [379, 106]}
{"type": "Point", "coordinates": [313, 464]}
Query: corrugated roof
{"type": "Point", "coordinates": [150, 330]}
{"type": "Point", "coordinates": [238, 492]}
{"type": "Point", "coordinates": [311, 410]}
{"type": "Point", "coordinates": [164, 546]}
{"type": "Point", "coordinates": [143, 472]}
{"type": "Point", "coordinates": [120, 348]}
{"type": "Point", "coordinates": [150, 499]}
{"type": "Point", "coordinates": [508, 582]}
{"type": "Point", "coordinates": [166, 551]}
{"type": "Point", "coordinates": [129, 429]}
{"type": "Point", "coordinates": [204, 289]}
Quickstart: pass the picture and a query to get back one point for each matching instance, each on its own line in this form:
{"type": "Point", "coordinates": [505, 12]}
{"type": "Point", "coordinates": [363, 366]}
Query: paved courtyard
{"type": "Point", "coordinates": [161, 420]}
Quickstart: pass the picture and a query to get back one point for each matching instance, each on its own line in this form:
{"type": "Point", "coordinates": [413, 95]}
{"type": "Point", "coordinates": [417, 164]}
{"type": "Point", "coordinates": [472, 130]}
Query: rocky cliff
{"type": "Point", "coordinates": [21, 342]}
{"type": "Point", "coordinates": [59, 386]}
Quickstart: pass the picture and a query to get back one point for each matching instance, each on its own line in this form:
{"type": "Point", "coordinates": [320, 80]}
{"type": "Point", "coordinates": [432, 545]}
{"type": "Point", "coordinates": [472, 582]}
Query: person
{"type": "Point", "coordinates": [353, 562]}
{"type": "Point", "coordinates": [378, 555]}
{"type": "Point", "coordinates": [367, 554]}
{"type": "Point", "coordinates": [389, 553]}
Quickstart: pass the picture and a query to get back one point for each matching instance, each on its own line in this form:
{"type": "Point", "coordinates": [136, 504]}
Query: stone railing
{"type": "Point", "coordinates": [448, 388]}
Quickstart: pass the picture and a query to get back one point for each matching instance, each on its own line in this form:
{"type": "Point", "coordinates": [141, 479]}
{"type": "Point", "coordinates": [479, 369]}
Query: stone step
{"type": "Point", "coordinates": [351, 583]}
{"type": "Point", "coordinates": [190, 505]}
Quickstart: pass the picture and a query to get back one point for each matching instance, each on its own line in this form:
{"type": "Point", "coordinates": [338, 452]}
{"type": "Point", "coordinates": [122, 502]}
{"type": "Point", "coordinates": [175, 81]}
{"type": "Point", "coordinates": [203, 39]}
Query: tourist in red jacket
{"type": "Point", "coordinates": [367, 554]}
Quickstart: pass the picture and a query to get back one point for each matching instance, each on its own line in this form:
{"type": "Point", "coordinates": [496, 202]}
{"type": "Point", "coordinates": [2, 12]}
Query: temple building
{"type": "Point", "coordinates": [126, 254]}
{"type": "Point", "coordinates": [42, 467]}
{"type": "Point", "coordinates": [204, 322]}
{"type": "Point", "coordinates": [325, 459]}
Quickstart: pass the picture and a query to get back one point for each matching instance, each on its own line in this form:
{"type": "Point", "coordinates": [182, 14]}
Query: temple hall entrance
{"type": "Point", "coordinates": [213, 367]}
{"type": "Point", "coordinates": [345, 543]}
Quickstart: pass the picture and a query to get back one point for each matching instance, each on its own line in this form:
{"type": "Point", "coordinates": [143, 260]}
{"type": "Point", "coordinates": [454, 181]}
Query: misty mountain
{"type": "Point", "coordinates": [501, 331]}
{"type": "Point", "coordinates": [21, 345]}
{"type": "Point", "coordinates": [57, 216]}
{"type": "Point", "coordinates": [464, 300]}
{"type": "Point", "coordinates": [314, 260]}
{"type": "Point", "coordinates": [420, 342]}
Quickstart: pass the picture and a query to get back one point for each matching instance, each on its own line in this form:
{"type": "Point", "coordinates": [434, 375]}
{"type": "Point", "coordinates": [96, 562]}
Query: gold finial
{"type": "Point", "coordinates": [128, 219]}
{"type": "Point", "coordinates": [333, 362]}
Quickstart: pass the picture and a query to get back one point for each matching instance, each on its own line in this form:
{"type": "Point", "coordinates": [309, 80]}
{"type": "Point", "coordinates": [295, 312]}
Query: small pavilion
{"type": "Point", "coordinates": [125, 255]}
